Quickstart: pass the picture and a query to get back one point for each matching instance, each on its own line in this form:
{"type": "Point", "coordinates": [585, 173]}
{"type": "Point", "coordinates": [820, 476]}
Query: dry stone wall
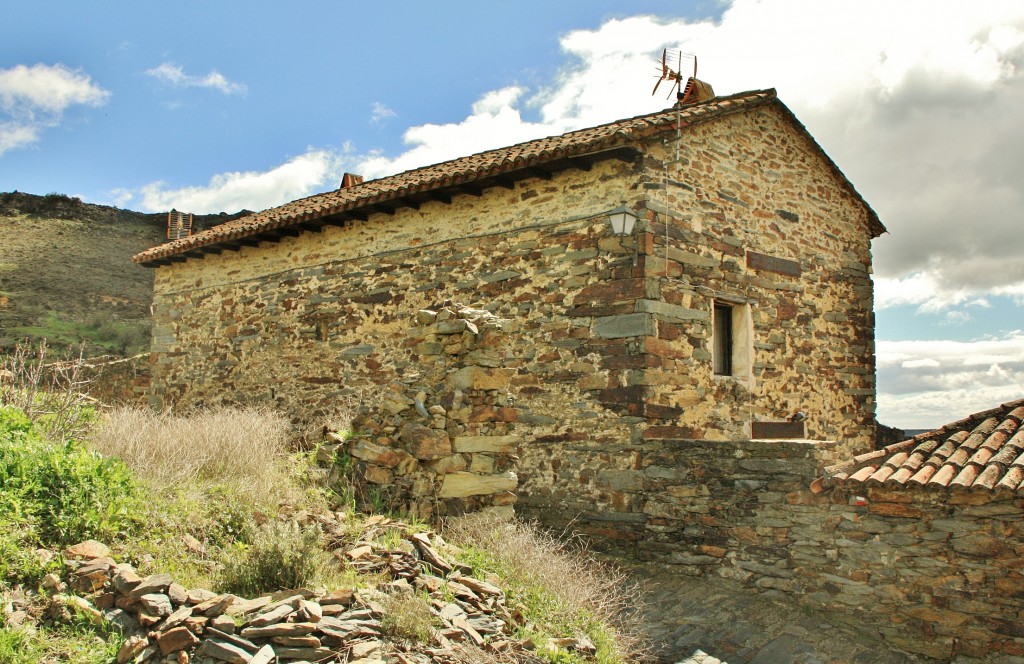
{"type": "Point", "coordinates": [932, 572]}
{"type": "Point", "coordinates": [118, 381]}
{"type": "Point", "coordinates": [467, 619]}
{"type": "Point", "coordinates": [937, 572]}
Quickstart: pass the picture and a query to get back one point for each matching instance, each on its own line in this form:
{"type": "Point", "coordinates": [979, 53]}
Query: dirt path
{"type": "Point", "coordinates": [707, 621]}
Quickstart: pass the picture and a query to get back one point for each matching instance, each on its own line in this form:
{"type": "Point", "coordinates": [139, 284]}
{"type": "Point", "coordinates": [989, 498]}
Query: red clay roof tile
{"type": "Point", "coordinates": [922, 476]}
{"type": "Point", "coordinates": [881, 475]}
{"type": "Point", "coordinates": [477, 168]}
{"type": "Point", "coordinates": [982, 452]}
{"type": "Point", "coordinates": [1013, 479]}
{"type": "Point", "coordinates": [988, 477]}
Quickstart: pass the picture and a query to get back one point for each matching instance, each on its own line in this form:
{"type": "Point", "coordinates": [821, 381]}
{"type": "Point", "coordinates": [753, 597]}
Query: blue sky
{"type": "Point", "coordinates": [211, 106]}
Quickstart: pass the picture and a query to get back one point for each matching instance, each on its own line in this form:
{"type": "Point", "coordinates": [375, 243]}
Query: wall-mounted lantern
{"type": "Point", "coordinates": [623, 221]}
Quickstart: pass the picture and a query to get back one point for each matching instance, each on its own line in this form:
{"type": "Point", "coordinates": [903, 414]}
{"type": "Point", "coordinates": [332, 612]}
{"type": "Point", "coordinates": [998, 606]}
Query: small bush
{"type": "Point", "coordinates": [281, 556]}
{"type": "Point", "coordinates": [51, 394]}
{"type": "Point", "coordinates": [125, 337]}
{"type": "Point", "coordinates": [407, 616]}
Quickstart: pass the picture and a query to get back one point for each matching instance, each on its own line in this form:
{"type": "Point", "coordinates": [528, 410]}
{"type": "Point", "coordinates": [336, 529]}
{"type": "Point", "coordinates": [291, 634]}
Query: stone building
{"type": "Point", "coordinates": [739, 308]}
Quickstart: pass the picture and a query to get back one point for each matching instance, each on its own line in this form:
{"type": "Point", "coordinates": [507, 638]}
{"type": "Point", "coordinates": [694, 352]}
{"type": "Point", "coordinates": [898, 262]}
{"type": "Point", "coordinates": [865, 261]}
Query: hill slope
{"type": "Point", "coordinates": [66, 272]}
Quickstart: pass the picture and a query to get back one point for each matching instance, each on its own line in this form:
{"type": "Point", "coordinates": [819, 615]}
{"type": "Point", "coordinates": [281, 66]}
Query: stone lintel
{"type": "Point", "coordinates": [673, 313]}
{"type": "Point", "coordinates": [462, 485]}
{"type": "Point", "coordinates": [492, 444]}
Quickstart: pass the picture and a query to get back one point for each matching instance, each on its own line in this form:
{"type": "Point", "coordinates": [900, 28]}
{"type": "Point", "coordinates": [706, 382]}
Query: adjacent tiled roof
{"type": "Point", "coordinates": [983, 452]}
{"type": "Point", "coordinates": [482, 168]}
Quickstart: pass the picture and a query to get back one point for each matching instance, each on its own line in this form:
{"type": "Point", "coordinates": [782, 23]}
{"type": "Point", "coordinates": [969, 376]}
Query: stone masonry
{"type": "Point", "coordinates": [439, 442]}
{"type": "Point", "coordinates": [605, 357]}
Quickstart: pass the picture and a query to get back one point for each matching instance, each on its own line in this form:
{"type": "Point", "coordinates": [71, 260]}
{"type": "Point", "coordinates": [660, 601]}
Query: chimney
{"type": "Point", "coordinates": [350, 180]}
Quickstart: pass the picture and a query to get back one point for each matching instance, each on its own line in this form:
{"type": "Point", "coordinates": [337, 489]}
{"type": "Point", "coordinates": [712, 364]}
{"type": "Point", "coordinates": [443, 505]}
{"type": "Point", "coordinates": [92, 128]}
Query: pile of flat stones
{"type": "Point", "coordinates": [165, 623]}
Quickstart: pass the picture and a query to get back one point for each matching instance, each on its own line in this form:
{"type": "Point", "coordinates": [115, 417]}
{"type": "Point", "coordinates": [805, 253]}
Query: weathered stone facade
{"type": "Point", "coordinates": [606, 358]}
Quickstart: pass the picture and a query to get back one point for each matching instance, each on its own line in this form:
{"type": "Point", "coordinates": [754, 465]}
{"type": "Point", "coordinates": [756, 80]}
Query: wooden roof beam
{"type": "Point", "coordinates": [439, 196]}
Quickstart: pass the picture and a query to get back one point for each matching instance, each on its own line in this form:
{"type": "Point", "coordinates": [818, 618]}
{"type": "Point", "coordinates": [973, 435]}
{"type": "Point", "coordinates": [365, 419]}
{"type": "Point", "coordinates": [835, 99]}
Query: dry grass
{"type": "Point", "coordinates": [240, 448]}
{"type": "Point", "coordinates": [560, 579]}
{"type": "Point", "coordinates": [407, 616]}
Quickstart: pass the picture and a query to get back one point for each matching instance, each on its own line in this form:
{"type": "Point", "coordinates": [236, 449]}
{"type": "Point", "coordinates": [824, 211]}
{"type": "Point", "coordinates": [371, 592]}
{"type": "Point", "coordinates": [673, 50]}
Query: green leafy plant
{"type": "Point", "coordinates": [59, 493]}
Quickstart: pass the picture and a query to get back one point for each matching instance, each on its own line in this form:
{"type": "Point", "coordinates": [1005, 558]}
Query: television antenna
{"type": "Point", "coordinates": [673, 75]}
{"type": "Point", "coordinates": [695, 89]}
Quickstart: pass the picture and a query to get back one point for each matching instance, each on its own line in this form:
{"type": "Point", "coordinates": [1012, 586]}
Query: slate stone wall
{"type": "Point", "coordinates": [932, 572]}
{"type": "Point", "coordinates": [938, 573]}
{"type": "Point", "coordinates": [440, 441]}
{"type": "Point", "coordinates": [604, 357]}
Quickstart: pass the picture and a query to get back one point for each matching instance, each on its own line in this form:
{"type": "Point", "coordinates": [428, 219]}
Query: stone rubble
{"type": "Point", "coordinates": [164, 623]}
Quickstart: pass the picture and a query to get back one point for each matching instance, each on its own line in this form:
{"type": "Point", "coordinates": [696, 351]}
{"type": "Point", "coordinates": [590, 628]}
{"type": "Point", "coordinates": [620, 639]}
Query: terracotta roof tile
{"type": "Point", "coordinates": [982, 452]}
{"type": "Point", "coordinates": [863, 474]}
{"type": "Point", "coordinates": [476, 169]}
{"type": "Point", "coordinates": [1013, 479]}
{"type": "Point", "coordinates": [988, 477]}
{"type": "Point", "coordinates": [922, 476]}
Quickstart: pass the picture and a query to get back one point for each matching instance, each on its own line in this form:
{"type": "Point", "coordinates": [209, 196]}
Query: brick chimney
{"type": "Point", "coordinates": [350, 180]}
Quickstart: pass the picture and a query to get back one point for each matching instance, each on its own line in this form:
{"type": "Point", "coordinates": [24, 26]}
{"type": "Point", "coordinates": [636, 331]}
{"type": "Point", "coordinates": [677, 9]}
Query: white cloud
{"type": "Point", "coordinates": [34, 98]}
{"type": "Point", "coordinates": [380, 112]}
{"type": "Point", "coordinates": [925, 384]}
{"type": "Point", "coordinates": [495, 121]}
{"type": "Point", "coordinates": [17, 134]}
{"type": "Point", "coordinates": [171, 73]}
{"type": "Point", "coordinates": [230, 192]}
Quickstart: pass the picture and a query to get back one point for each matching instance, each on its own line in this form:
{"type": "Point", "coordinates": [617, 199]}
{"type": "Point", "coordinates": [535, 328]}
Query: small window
{"type": "Point", "coordinates": [732, 351]}
{"type": "Point", "coordinates": [723, 339]}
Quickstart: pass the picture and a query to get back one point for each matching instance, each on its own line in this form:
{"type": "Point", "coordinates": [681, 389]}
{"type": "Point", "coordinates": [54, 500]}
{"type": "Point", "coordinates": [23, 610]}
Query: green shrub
{"type": "Point", "coordinates": [281, 556]}
{"type": "Point", "coordinates": [54, 494]}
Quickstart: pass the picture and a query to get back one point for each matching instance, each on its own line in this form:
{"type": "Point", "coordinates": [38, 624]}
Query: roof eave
{"type": "Point", "coordinates": [501, 175]}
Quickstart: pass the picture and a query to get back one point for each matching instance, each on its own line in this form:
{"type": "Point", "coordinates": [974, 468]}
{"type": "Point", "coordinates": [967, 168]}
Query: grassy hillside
{"type": "Point", "coordinates": [66, 273]}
